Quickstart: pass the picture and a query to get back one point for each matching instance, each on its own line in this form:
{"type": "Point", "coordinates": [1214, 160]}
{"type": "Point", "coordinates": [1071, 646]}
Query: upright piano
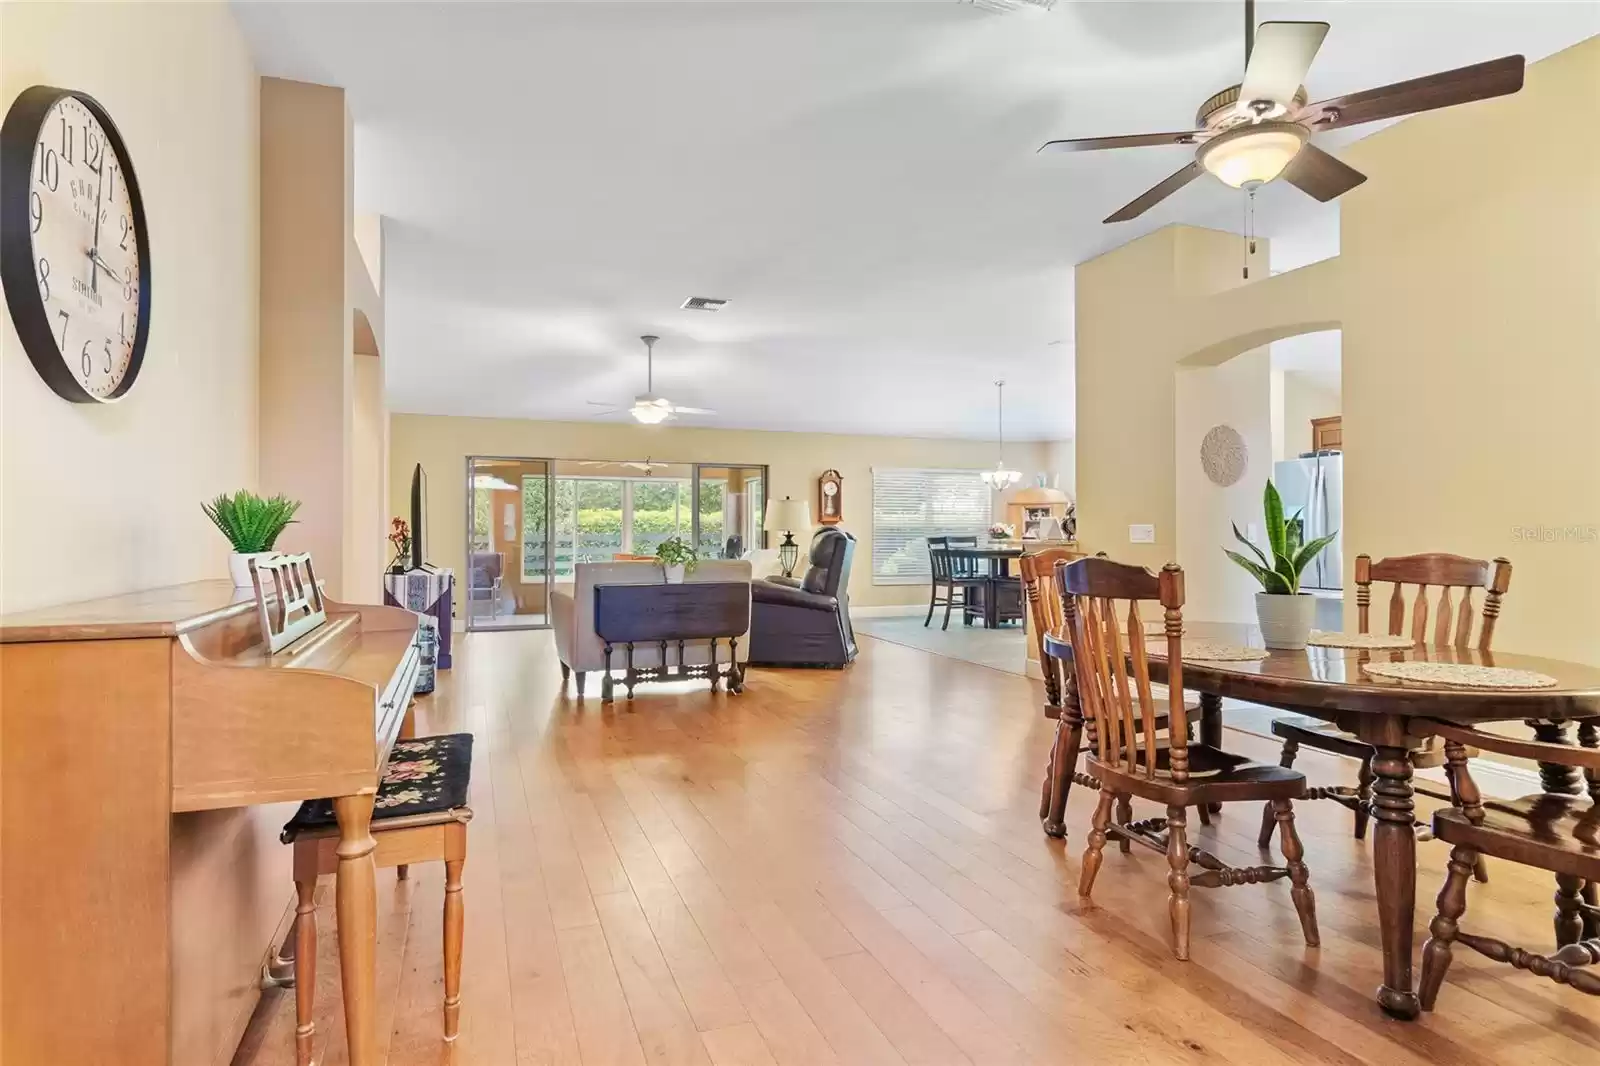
{"type": "Point", "coordinates": [143, 741]}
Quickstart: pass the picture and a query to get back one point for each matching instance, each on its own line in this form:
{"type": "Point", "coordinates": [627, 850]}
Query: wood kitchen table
{"type": "Point", "coordinates": [1328, 683]}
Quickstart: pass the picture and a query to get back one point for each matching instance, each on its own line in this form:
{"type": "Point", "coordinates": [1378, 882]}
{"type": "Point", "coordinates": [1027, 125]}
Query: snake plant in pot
{"type": "Point", "coordinates": [1285, 613]}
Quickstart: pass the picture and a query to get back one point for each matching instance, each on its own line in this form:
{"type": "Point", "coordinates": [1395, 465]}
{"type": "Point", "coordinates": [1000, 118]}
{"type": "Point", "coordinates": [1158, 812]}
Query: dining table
{"type": "Point", "coordinates": [1393, 716]}
{"type": "Point", "coordinates": [1001, 603]}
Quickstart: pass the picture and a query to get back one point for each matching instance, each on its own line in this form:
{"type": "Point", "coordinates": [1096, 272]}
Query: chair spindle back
{"type": "Point", "coordinates": [1111, 661]}
{"type": "Point", "coordinates": [1044, 604]}
{"type": "Point", "coordinates": [1452, 623]}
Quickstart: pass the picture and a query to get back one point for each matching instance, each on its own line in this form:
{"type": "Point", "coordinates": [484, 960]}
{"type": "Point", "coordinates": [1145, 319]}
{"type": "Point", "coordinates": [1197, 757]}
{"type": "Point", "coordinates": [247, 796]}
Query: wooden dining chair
{"type": "Point", "coordinates": [954, 575]}
{"type": "Point", "coordinates": [1452, 624]}
{"type": "Point", "coordinates": [1554, 832]}
{"type": "Point", "coordinates": [1129, 759]}
{"type": "Point", "coordinates": [1044, 612]}
{"type": "Point", "coordinates": [1043, 595]}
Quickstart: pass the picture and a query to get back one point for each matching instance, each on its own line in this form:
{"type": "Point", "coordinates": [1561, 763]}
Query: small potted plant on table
{"type": "Point", "coordinates": [676, 559]}
{"type": "Point", "coordinates": [252, 525]}
{"type": "Point", "coordinates": [1284, 612]}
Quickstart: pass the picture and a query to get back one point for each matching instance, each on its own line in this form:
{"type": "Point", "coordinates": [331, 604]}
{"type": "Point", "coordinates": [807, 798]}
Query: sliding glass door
{"type": "Point", "coordinates": [530, 521]}
{"type": "Point", "coordinates": [729, 504]}
{"type": "Point", "coordinates": [507, 584]}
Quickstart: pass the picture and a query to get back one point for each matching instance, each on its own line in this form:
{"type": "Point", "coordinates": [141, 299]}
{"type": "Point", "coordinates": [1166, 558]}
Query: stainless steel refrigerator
{"type": "Point", "coordinates": [1314, 486]}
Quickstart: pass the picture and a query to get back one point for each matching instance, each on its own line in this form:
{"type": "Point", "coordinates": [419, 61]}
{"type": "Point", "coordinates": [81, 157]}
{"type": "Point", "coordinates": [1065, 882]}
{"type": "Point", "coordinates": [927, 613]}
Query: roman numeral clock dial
{"type": "Point", "coordinates": [74, 257]}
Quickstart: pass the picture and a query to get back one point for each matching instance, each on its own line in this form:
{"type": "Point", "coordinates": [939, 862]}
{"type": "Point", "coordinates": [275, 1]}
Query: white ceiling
{"type": "Point", "coordinates": [858, 178]}
{"type": "Point", "coordinates": [1316, 356]}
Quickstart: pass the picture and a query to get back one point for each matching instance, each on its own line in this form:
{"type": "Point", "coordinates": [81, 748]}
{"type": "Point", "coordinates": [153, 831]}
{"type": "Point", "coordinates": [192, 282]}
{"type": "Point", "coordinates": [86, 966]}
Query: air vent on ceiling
{"type": "Point", "coordinates": [703, 303]}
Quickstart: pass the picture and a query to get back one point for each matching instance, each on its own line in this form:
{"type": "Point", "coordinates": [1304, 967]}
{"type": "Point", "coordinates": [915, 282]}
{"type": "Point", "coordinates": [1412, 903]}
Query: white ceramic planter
{"type": "Point", "coordinates": [1285, 620]}
{"type": "Point", "coordinates": [674, 574]}
{"type": "Point", "coordinates": [239, 567]}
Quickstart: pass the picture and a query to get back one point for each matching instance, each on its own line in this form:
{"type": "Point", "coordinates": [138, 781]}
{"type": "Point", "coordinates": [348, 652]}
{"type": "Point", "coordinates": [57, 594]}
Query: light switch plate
{"type": "Point", "coordinates": [1141, 534]}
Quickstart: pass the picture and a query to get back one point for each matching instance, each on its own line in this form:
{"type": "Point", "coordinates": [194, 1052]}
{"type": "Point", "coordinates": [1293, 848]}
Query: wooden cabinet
{"type": "Point", "coordinates": [1327, 434]}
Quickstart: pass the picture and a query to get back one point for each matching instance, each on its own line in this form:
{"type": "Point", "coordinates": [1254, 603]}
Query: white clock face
{"type": "Point", "coordinates": [85, 247]}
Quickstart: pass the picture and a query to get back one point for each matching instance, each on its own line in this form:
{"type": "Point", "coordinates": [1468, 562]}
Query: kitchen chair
{"type": "Point", "coordinates": [954, 574]}
{"type": "Point", "coordinates": [1558, 833]}
{"type": "Point", "coordinates": [1044, 606]}
{"type": "Point", "coordinates": [1112, 676]}
{"type": "Point", "coordinates": [420, 814]}
{"type": "Point", "coordinates": [1437, 570]}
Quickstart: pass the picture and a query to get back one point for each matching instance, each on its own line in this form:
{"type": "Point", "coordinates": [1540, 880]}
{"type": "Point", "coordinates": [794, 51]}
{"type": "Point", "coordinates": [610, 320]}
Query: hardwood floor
{"type": "Point", "coordinates": [847, 868]}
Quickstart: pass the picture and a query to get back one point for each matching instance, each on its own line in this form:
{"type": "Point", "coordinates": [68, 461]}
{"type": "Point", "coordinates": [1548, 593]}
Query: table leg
{"type": "Point", "coordinates": [1211, 728]}
{"type": "Point", "coordinates": [1394, 854]}
{"type": "Point", "coordinates": [356, 904]}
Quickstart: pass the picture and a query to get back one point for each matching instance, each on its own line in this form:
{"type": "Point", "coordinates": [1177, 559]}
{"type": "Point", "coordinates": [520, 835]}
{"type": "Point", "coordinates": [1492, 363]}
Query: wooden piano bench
{"type": "Point", "coordinates": [420, 814]}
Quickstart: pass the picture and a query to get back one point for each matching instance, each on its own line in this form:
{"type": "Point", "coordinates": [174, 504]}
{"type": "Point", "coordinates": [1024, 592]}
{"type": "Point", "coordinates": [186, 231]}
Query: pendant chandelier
{"type": "Point", "coordinates": [1001, 478]}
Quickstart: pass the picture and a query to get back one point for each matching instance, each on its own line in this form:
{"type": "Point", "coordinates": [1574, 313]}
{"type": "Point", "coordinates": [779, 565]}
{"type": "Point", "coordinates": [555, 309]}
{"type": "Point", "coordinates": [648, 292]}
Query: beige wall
{"type": "Point", "coordinates": [1127, 359]}
{"type": "Point", "coordinates": [1236, 393]}
{"type": "Point", "coordinates": [366, 551]}
{"type": "Point", "coordinates": [100, 499]}
{"type": "Point", "coordinates": [442, 444]}
{"type": "Point", "coordinates": [1472, 347]}
{"type": "Point", "coordinates": [368, 484]}
{"type": "Point", "coordinates": [1466, 290]}
{"type": "Point", "coordinates": [1303, 400]}
{"type": "Point", "coordinates": [307, 334]}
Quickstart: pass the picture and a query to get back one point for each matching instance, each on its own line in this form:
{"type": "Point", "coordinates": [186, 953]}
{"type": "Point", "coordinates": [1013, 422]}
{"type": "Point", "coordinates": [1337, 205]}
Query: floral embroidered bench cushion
{"type": "Point", "coordinates": [425, 775]}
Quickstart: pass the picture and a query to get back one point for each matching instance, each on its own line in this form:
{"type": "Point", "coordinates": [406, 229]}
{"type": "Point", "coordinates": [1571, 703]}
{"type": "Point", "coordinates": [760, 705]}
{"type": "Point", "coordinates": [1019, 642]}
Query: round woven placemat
{"type": "Point", "coordinates": [1326, 639]}
{"type": "Point", "coordinates": [1205, 651]}
{"type": "Point", "coordinates": [1463, 675]}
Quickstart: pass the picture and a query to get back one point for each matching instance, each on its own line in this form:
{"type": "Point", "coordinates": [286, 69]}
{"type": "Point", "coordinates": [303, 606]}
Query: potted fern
{"type": "Point", "coordinates": [252, 525]}
{"type": "Point", "coordinates": [676, 559]}
{"type": "Point", "coordinates": [1285, 613]}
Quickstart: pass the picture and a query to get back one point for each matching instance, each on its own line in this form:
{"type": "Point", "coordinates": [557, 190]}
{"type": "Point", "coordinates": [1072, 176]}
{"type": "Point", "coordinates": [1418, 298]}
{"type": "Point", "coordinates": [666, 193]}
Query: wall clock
{"type": "Point", "coordinates": [830, 498]}
{"type": "Point", "coordinates": [74, 252]}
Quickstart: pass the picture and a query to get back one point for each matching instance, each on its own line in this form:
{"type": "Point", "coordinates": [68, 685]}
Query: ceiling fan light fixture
{"type": "Point", "coordinates": [650, 412]}
{"type": "Point", "coordinates": [1247, 156]}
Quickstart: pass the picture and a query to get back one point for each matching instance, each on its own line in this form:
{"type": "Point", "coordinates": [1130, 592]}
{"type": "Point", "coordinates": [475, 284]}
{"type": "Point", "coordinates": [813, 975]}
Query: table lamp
{"type": "Point", "coordinates": [785, 516]}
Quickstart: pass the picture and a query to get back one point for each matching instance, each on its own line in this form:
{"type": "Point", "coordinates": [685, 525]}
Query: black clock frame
{"type": "Point", "coordinates": [18, 135]}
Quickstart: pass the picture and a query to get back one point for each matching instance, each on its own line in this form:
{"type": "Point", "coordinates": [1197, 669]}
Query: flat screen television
{"type": "Point", "coordinates": [419, 508]}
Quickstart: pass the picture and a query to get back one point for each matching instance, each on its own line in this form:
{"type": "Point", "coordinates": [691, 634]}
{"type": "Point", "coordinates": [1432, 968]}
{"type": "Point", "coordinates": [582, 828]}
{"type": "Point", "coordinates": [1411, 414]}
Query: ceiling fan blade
{"type": "Point", "coordinates": [1320, 175]}
{"type": "Point", "coordinates": [681, 410]}
{"type": "Point", "coordinates": [1278, 63]}
{"type": "Point", "coordinates": [1480, 81]}
{"type": "Point", "coordinates": [601, 403]}
{"type": "Point", "coordinates": [1132, 140]}
{"type": "Point", "coordinates": [1155, 195]}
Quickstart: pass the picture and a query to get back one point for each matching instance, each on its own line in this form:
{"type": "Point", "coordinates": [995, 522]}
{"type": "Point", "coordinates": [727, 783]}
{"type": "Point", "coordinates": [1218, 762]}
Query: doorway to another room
{"type": "Point", "coordinates": [531, 521]}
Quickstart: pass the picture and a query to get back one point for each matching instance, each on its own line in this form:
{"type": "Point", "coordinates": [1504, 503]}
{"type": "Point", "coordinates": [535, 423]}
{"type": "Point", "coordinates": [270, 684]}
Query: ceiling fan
{"type": "Point", "coordinates": [649, 466]}
{"type": "Point", "coordinates": [1261, 129]}
{"type": "Point", "coordinates": [647, 407]}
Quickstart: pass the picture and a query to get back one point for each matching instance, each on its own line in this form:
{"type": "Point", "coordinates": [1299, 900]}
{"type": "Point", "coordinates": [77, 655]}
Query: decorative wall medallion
{"type": "Point", "coordinates": [1223, 455]}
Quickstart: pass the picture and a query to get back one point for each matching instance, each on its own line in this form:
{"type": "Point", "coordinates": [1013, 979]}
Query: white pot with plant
{"type": "Point", "coordinates": [676, 559]}
{"type": "Point", "coordinates": [1285, 613]}
{"type": "Point", "coordinates": [252, 525]}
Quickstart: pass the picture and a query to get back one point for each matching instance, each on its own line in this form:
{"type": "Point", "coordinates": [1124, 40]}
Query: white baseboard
{"type": "Point", "coordinates": [1495, 779]}
{"type": "Point", "coordinates": [889, 610]}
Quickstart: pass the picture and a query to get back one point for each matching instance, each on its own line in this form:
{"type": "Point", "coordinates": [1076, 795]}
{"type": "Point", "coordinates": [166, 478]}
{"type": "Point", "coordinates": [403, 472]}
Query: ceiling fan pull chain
{"type": "Point", "coordinates": [1249, 230]}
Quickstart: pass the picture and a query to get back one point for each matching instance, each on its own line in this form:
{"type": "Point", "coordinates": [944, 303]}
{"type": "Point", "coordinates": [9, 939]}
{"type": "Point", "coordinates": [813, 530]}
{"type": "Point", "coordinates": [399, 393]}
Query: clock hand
{"type": "Point", "coordinates": [94, 264]}
{"type": "Point", "coordinates": [101, 263]}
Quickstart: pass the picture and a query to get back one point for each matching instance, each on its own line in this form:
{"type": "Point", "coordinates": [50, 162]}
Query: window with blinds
{"type": "Point", "coordinates": [909, 506]}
